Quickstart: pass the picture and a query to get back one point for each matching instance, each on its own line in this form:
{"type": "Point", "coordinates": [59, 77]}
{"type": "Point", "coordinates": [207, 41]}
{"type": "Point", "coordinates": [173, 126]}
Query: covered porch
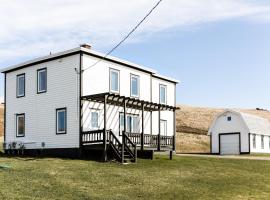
{"type": "Point", "coordinates": [139, 141]}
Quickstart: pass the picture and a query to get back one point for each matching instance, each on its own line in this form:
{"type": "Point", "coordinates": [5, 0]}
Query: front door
{"type": "Point", "coordinates": [163, 127]}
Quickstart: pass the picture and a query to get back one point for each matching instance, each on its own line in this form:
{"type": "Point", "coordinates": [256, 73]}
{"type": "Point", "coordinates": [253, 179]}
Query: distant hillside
{"type": "Point", "coordinates": [197, 120]}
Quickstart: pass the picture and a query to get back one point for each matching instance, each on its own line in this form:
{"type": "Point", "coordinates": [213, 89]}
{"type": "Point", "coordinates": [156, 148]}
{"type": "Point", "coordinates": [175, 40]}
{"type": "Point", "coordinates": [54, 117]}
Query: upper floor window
{"type": "Point", "coordinates": [94, 120]}
{"type": "Point", "coordinates": [61, 121]}
{"type": "Point", "coordinates": [163, 94]}
{"type": "Point", "coordinates": [20, 125]}
{"type": "Point", "coordinates": [21, 85]}
{"type": "Point", "coordinates": [229, 118]}
{"type": "Point", "coordinates": [254, 141]}
{"type": "Point", "coordinates": [134, 85]}
{"type": "Point", "coordinates": [41, 80]}
{"type": "Point", "coordinates": [262, 141]}
{"type": "Point", "coordinates": [114, 80]}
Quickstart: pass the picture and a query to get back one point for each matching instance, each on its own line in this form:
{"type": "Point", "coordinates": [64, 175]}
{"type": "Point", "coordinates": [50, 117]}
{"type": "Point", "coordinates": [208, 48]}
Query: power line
{"type": "Point", "coordinates": [125, 38]}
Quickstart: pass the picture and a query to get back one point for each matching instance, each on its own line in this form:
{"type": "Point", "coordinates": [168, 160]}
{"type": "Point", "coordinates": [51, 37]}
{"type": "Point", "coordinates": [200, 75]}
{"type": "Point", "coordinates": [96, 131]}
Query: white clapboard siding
{"type": "Point", "coordinates": [40, 109]}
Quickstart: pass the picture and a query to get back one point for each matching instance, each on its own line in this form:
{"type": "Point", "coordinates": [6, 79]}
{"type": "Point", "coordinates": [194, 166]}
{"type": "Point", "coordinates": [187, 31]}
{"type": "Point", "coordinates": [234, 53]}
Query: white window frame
{"type": "Point", "coordinates": [17, 124]}
{"type": "Point", "coordinates": [118, 85]}
{"type": "Point", "coordinates": [18, 86]}
{"type": "Point", "coordinates": [65, 122]}
{"type": "Point", "coordinates": [138, 85]}
{"type": "Point", "coordinates": [160, 99]}
{"type": "Point", "coordinates": [38, 80]}
{"type": "Point", "coordinates": [93, 127]}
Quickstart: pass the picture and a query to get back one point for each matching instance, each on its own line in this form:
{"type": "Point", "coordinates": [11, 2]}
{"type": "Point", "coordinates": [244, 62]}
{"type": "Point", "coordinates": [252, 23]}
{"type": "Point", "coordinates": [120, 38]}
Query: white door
{"type": "Point", "coordinates": [229, 144]}
{"type": "Point", "coordinates": [163, 127]}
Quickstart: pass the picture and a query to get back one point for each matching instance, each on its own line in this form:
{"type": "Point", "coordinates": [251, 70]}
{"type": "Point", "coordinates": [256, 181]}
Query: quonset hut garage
{"type": "Point", "coordinates": [234, 132]}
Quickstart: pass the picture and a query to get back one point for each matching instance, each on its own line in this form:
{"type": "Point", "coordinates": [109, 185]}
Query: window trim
{"type": "Point", "coordinates": [61, 132]}
{"type": "Point", "coordinates": [138, 78]}
{"type": "Point", "coordinates": [41, 91]}
{"type": "Point", "coordinates": [165, 86]}
{"type": "Point", "coordinates": [110, 79]}
{"type": "Point", "coordinates": [17, 84]}
{"type": "Point", "coordinates": [18, 115]}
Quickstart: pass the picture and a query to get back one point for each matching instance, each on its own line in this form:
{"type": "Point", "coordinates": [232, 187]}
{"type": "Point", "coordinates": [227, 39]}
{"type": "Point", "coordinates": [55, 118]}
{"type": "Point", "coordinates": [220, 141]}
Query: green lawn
{"type": "Point", "coordinates": [181, 178]}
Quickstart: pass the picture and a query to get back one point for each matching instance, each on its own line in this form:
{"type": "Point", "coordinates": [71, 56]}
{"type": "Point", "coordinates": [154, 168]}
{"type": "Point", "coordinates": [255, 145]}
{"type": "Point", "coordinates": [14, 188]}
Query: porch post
{"type": "Point", "coordinates": [105, 130]}
{"type": "Point", "coordinates": [159, 130]}
{"type": "Point", "coordinates": [174, 130]}
{"type": "Point", "coordinates": [142, 135]}
{"type": "Point", "coordinates": [125, 130]}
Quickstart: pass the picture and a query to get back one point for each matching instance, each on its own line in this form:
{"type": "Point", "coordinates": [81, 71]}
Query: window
{"type": "Point", "coordinates": [262, 141]}
{"type": "Point", "coordinates": [254, 141]}
{"type": "Point", "coordinates": [21, 85]}
{"type": "Point", "coordinates": [134, 85]}
{"type": "Point", "coordinates": [114, 80]}
{"type": "Point", "coordinates": [61, 121]}
{"type": "Point", "coordinates": [41, 80]}
{"type": "Point", "coordinates": [132, 123]}
{"type": "Point", "coordinates": [163, 94]}
{"type": "Point", "coordinates": [94, 120]}
{"type": "Point", "coordinates": [20, 125]}
{"type": "Point", "coordinates": [229, 118]}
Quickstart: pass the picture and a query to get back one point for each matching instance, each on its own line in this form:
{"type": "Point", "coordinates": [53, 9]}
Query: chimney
{"type": "Point", "coordinates": [85, 45]}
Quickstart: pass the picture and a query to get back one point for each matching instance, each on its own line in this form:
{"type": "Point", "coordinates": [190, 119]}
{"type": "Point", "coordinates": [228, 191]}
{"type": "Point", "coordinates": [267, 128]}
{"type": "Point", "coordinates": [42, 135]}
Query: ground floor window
{"type": "Point", "coordinates": [94, 120]}
{"type": "Point", "coordinates": [61, 121]}
{"type": "Point", "coordinates": [254, 141]}
{"type": "Point", "coordinates": [262, 141]}
{"type": "Point", "coordinates": [20, 125]}
{"type": "Point", "coordinates": [132, 123]}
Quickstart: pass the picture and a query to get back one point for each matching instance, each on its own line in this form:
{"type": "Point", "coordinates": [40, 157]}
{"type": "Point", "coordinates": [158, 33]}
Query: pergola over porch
{"type": "Point", "coordinates": [140, 139]}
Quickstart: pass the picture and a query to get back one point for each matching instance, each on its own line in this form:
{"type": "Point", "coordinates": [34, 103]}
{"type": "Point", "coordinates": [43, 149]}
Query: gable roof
{"type": "Point", "coordinates": [253, 123]}
{"type": "Point", "coordinates": [89, 52]}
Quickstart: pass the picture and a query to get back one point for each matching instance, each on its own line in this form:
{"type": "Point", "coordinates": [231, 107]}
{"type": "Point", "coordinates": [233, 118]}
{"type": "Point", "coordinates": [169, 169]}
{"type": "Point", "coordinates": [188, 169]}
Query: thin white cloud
{"type": "Point", "coordinates": [30, 28]}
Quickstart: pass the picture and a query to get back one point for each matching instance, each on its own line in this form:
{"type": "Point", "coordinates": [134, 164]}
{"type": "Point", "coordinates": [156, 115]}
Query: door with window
{"type": "Point", "coordinates": [163, 127]}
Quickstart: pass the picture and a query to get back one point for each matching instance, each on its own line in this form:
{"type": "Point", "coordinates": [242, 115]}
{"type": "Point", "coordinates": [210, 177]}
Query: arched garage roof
{"type": "Point", "coordinates": [255, 124]}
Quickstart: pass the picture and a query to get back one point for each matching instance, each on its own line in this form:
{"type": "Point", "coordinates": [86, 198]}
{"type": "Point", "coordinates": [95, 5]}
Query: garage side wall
{"type": "Point", "coordinates": [229, 123]}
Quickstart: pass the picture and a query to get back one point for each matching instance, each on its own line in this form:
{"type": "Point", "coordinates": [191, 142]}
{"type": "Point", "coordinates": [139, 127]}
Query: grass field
{"type": "Point", "coordinates": [181, 178]}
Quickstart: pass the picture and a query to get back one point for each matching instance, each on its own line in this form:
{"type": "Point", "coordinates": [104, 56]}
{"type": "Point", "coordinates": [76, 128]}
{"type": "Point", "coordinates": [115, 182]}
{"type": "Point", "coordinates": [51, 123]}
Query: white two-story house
{"type": "Point", "coordinates": [72, 102]}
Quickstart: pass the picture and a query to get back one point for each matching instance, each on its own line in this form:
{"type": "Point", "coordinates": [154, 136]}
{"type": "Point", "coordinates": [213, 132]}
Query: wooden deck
{"type": "Point", "coordinates": [126, 149]}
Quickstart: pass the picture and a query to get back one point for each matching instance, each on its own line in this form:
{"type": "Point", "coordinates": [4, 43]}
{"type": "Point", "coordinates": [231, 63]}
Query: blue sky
{"type": "Point", "coordinates": [219, 50]}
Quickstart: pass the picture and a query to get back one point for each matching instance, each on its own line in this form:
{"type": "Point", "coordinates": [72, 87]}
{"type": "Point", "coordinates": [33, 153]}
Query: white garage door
{"type": "Point", "coordinates": [229, 144]}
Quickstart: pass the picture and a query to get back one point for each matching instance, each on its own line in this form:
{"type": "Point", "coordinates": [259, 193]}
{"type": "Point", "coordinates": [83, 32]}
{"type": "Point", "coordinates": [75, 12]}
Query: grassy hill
{"type": "Point", "coordinates": [192, 124]}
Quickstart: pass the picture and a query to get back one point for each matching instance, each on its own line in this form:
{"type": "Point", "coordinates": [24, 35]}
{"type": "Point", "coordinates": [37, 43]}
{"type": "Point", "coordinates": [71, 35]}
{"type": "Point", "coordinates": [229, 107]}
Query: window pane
{"type": "Point", "coordinates": [162, 94]}
{"type": "Point", "coordinates": [21, 83]}
{"type": "Point", "coordinates": [134, 86]}
{"type": "Point", "coordinates": [42, 80]}
{"type": "Point", "coordinates": [114, 81]}
{"type": "Point", "coordinates": [61, 121]}
{"type": "Point", "coordinates": [20, 121]}
{"type": "Point", "coordinates": [94, 120]}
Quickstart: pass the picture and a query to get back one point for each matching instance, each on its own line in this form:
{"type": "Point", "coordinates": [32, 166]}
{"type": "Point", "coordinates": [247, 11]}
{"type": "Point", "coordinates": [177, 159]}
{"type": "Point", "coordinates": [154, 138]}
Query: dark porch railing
{"type": "Point", "coordinates": [151, 140]}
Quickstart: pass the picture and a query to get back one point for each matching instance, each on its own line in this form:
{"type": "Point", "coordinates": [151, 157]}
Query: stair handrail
{"type": "Point", "coordinates": [129, 144]}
